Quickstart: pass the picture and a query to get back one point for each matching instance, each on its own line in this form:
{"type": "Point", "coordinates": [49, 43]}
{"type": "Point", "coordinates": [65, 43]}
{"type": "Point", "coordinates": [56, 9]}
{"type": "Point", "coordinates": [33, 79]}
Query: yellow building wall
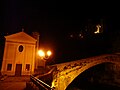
{"type": "Point", "coordinates": [13, 56]}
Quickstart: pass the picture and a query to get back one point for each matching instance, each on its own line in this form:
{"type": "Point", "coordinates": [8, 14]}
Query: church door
{"type": "Point", "coordinates": [18, 69]}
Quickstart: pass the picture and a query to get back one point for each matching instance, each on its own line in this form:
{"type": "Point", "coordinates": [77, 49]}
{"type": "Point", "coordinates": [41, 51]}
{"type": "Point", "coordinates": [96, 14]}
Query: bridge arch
{"type": "Point", "coordinates": [88, 76]}
{"type": "Point", "coordinates": [67, 72]}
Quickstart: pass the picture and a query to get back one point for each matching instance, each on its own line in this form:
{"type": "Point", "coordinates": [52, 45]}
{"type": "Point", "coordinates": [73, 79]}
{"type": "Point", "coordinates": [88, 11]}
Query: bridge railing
{"type": "Point", "coordinates": [40, 84]}
{"type": "Point", "coordinates": [42, 81]}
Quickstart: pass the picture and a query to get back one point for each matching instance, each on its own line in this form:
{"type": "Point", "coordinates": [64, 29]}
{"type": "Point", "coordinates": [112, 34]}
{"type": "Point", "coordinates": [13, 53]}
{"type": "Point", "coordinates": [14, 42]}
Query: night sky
{"type": "Point", "coordinates": [57, 20]}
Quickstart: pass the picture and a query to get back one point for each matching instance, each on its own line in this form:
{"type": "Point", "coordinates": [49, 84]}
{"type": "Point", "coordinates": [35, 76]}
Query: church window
{"type": "Point", "coordinates": [27, 67]}
{"type": "Point", "coordinates": [9, 67]}
{"type": "Point", "coordinates": [20, 48]}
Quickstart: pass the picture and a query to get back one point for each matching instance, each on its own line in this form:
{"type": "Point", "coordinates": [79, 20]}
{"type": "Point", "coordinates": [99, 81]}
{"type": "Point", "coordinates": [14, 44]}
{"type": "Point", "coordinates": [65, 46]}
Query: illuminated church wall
{"type": "Point", "coordinates": [19, 54]}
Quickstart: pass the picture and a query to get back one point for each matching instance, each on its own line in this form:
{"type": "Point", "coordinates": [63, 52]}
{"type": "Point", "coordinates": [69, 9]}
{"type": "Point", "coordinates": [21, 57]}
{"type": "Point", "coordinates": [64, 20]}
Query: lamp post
{"type": "Point", "coordinates": [44, 55]}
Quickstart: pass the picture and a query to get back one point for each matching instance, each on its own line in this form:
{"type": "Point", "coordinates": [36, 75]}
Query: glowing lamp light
{"type": "Point", "coordinates": [49, 53]}
{"type": "Point", "coordinates": [44, 56]}
{"type": "Point", "coordinates": [41, 53]}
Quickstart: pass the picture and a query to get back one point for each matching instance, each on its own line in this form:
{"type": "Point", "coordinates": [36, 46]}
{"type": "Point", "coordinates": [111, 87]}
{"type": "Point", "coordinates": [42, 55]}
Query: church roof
{"type": "Point", "coordinates": [20, 37]}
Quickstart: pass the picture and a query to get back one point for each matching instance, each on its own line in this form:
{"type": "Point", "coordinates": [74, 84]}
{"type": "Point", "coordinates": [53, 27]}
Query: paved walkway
{"type": "Point", "coordinates": [14, 83]}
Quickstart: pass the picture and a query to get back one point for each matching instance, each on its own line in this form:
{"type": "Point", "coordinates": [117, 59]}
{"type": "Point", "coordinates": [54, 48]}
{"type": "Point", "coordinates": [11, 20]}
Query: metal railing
{"type": "Point", "coordinates": [39, 83]}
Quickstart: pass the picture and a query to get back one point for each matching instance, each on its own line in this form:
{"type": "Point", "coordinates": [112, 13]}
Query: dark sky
{"type": "Point", "coordinates": [36, 15]}
{"type": "Point", "coordinates": [56, 20]}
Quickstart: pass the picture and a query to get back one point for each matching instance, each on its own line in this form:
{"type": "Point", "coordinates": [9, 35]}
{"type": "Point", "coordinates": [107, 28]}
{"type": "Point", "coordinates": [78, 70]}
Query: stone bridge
{"type": "Point", "coordinates": [65, 73]}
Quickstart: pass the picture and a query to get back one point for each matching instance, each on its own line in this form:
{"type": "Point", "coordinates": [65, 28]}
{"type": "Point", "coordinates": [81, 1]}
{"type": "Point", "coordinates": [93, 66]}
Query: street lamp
{"type": "Point", "coordinates": [44, 55]}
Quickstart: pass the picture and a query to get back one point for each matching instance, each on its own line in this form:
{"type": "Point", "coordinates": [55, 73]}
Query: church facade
{"type": "Point", "coordinates": [19, 54]}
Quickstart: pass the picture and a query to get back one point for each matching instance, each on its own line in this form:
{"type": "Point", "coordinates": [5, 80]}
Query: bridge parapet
{"type": "Point", "coordinates": [65, 73]}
